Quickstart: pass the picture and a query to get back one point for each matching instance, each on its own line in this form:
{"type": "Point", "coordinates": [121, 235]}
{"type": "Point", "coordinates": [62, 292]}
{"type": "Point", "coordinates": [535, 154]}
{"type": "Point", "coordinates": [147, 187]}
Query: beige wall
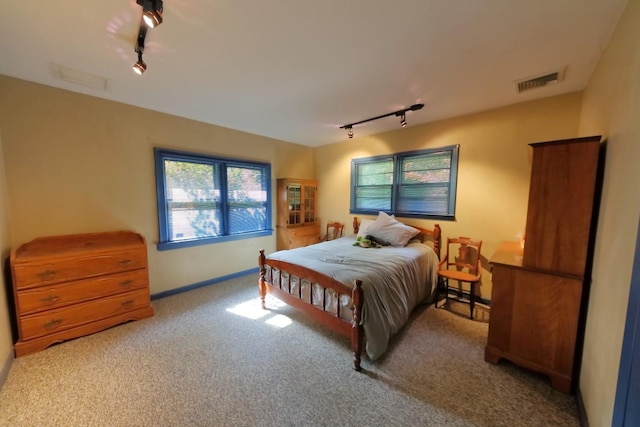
{"type": "Point", "coordinates": [6, 343]}
{"type": "Point", "coordinates": [77, 164]}
{"type": "Point", "coordinates": [612, 107]}
{"type": "Point", "coordinates": [493, 173]}
{"type": "Point", "coordinates": [71, 163]}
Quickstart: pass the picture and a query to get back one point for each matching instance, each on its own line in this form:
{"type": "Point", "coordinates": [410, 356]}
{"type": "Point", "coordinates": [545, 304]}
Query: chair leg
{"type": "Point", "coordinates": [446, 292]}
{"type": "Point", "coordinates": [443, 286]}
{"type": "Point", "coordinates": [472, 301]}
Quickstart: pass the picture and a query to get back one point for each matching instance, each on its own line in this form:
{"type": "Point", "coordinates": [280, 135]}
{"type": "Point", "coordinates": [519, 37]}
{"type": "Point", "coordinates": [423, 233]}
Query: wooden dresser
{"type": "Point", "coordinates": [70, 286]}
{"type": "Point", "coordinates": [537, 299]}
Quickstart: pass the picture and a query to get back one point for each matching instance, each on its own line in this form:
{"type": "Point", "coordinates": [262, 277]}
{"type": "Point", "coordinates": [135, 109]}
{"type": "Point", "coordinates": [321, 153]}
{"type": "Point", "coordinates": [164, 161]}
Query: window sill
{"type": "Point", "coordinates": [165, 246]}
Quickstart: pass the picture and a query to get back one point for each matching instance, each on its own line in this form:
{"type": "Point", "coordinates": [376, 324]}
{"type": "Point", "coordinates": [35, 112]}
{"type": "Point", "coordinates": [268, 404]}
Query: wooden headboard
{"type": "Point", "coordinates": [426, 235]}
{"type": "Point", "coordinates": [434, 236]}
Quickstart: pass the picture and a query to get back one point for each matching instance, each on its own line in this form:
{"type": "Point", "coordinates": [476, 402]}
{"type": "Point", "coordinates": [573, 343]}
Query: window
{"type": "Point", "coordinates": [414, 184]}
{"type": "Point", "coordinates": [204, 199]}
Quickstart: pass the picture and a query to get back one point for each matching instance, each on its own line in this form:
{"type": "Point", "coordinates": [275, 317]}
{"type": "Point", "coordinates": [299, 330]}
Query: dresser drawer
{"type": "Point", "coordinates": [49, 297]}
{"type": "Point", "coordinates": [47, 271]}
{"type": "Point", "coordinates": [307, 231]}
{"type": "Point", "coordinates": [304, 236]}
{"type": "Point", "coordinates": [40, 324]}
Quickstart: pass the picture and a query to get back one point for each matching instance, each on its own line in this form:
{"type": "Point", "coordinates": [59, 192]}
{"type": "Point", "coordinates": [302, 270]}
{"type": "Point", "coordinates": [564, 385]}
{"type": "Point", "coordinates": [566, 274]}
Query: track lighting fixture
{"type": "Point", "coordinates": [140, 67]}
{"type": "Point", "coordinates": [151, 18]}
{"type": "Point", "coordinates": [151, 12]}
{"type": "Point", "coordinates": [399, 113]}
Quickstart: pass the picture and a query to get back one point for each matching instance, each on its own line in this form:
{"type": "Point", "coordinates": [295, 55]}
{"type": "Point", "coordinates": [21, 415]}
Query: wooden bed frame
{"type": "Point", "coordinates": [282, 290]}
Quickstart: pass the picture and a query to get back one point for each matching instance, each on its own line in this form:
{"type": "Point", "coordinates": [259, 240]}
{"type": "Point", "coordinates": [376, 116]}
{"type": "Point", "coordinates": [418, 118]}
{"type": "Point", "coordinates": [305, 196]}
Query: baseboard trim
{"type": "Point", "coordinates": [6, 366]}
{"type": "Point", "coordinates": [476, 298]}
{"type": "Point", "coordinates": [204, 283]}
{"type": "Point", "coordinates": [582, 413]}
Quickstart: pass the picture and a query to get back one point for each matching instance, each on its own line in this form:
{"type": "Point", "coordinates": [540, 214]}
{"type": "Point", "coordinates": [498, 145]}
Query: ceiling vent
{"type": "Point", "coordinates": [78, 77]}
{"type": "Point", "coordinates": [538, 82]}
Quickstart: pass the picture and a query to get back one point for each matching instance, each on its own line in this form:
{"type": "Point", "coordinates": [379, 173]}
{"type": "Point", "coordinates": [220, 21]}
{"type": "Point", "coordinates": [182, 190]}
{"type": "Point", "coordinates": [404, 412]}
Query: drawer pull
{"type": "Point", "coordinates": [126, 283]}
{"type": "Point", "coordinates": [47, 275]}
{"type": "Point", "coordinates": [52, 324]}
{"type": "Point", "coordinates": [127, 304]}
{"type": "Point", "coordinates": [124, 262]}
{"type": "Point", "coordinates": [49, 300]}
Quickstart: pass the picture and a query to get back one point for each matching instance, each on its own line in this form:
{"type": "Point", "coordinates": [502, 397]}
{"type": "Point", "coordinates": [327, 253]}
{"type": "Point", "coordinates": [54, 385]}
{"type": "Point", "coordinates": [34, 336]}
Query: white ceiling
{"type": "Point", "coordinates": [296, 70]}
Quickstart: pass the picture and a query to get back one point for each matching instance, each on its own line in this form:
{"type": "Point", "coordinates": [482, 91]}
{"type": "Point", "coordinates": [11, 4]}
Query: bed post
{"type": "Point", "coordinates": [437, 239]}
{"type": "Point", "coordinates": [356, 327]}
{"type": "Point", "coordinates": [262, 288]}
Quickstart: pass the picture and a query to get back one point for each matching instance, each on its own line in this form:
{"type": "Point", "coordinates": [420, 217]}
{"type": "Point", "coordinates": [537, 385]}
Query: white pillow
{"type": "Point", "coordinates": [388, 230]}
{"type": "Point", "coordinates": [364, 226]}
{"type": "Point", "coordinates": [382, 216]}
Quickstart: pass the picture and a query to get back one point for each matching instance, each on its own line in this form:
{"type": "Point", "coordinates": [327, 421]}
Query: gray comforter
{"type": "Point", "coordinates": [395, 280]}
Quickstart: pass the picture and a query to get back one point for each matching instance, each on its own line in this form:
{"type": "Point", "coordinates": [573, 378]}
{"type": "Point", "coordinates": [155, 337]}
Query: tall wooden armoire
{"type": "Point", "coordinates": [538, 298]}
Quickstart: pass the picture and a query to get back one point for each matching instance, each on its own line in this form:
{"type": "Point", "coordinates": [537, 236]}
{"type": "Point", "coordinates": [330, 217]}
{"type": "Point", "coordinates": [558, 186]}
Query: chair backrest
{"type": "Point", "coordinates": [463, 254]}
{"type": "Point", "coordinates": [334, 230]}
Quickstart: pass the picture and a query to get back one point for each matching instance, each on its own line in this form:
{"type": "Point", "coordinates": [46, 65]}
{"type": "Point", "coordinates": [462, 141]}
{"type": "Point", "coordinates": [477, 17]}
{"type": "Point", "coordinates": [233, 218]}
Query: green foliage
{"type": "Point", "coordinates": [193, 191]}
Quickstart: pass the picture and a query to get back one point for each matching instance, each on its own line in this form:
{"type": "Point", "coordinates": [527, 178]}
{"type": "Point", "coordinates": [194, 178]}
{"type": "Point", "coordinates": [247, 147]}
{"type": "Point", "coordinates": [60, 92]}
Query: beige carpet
{"type": "Point", "coordinates": [211, 357]}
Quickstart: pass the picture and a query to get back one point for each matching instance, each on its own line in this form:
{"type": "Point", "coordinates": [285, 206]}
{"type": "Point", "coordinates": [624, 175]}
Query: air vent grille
{"type": "Point", "coordinates": [538, 82]}
{"type": "Point", "coordinates": [78, 77]}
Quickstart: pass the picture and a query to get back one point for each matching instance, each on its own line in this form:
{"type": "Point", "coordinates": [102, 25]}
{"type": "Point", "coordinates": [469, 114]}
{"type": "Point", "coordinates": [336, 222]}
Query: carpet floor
{"type": "Point", "coordinates": [212, 357]}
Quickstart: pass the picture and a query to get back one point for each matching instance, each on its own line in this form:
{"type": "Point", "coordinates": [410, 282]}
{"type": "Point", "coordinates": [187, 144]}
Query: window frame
{"type": "Point", "coordinates": [397, 159]}
{"type": "Point", "coordinates": [164, 242]}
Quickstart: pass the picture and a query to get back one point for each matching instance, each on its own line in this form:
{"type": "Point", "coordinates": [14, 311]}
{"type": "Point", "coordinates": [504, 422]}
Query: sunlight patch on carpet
{"type": "Point", "coordinates": [252, 310]}
{"type": "Point", "coordinates": [279, 320]}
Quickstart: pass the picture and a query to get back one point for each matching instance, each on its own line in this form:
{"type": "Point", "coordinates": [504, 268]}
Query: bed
{"type": "Point", "coordinates": [365, 294]}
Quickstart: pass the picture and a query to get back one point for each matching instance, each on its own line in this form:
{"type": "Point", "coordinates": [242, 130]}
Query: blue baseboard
{"type": "Point", "coordinates": [204, 283]}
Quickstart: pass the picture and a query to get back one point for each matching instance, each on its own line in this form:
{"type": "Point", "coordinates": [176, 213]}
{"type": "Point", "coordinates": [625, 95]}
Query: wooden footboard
{"type": "Point", "coordinates": [284, 281]}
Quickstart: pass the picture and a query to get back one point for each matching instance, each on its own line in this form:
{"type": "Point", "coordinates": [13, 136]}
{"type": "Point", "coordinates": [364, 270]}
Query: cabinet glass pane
{"type": "Point", "coordinates": [294, 217]}
{"type": "Point", "coordinates": [309, 204]}
{"type": "Point", "coordinates": [294, 197]}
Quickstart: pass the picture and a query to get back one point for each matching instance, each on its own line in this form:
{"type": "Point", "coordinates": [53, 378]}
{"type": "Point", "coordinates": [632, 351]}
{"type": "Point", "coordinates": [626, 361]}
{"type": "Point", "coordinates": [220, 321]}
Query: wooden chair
{"type": "Point", "coordinates": [461, 264]}
{"type": "Point", "coordinates": [334, 231]}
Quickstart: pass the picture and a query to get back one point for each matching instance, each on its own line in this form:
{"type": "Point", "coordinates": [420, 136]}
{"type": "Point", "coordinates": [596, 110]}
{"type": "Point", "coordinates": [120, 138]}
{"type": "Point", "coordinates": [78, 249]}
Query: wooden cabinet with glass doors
{"type": "Point", "coordinates": [297, 223]}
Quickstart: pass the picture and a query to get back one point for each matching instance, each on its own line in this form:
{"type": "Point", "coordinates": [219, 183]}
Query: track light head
{"type": "Point", "coordinates": [139, 67]}
{"type": "Point", "coordinates": [151, 12]}
{"type": "Point", "coordinates": [350, 132]}
{"type": "Point", "coordinates": [403, 120]}
{"type": "Point", "coordinates": [152, 18]}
